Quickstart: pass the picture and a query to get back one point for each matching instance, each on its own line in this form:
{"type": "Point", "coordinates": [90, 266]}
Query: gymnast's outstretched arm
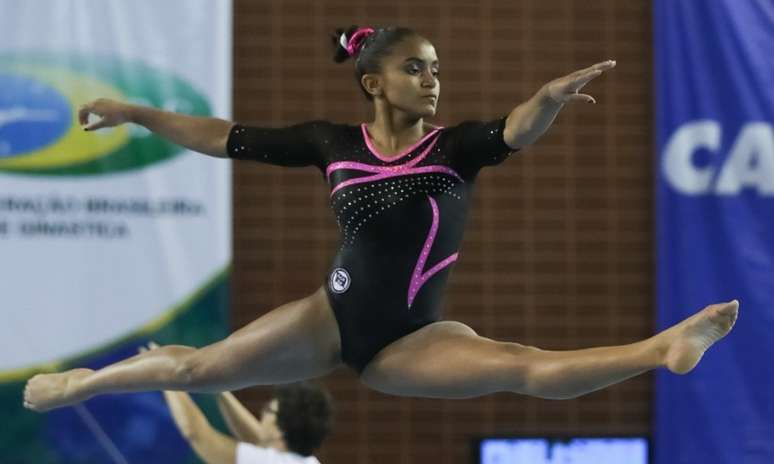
{"type": "Point", "coordinates": [200, 134]}
{"type": "Point", "coordinates": [528, 121]}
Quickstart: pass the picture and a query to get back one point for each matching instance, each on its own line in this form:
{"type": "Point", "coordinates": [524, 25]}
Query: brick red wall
{"type": "Point", "coordinates": [558, 248]}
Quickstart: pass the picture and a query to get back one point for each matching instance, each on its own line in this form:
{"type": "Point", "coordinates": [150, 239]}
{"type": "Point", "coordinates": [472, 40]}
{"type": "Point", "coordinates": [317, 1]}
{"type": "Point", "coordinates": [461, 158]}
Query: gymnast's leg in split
{"type": "Point", "coordinates": [296, 341]}
{"type": "Point", "coordinates": [442, 360]}
{"type": "Point", "coordinates": [449, 360]}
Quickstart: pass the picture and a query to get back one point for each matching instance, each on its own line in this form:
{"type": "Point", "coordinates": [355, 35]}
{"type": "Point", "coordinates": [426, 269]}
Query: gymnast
{"type": "Point", "coordinates": [399, 189]}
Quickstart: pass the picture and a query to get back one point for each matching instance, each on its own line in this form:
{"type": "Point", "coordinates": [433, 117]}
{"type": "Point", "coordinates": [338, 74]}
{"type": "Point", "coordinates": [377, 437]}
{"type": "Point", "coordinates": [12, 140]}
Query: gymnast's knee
{"type": "Point", "coordinates": [192, 369]}
{"type": "Point", "coordinates": [538, 377]}
{"type": "Point", "coordinates": [526, 374]}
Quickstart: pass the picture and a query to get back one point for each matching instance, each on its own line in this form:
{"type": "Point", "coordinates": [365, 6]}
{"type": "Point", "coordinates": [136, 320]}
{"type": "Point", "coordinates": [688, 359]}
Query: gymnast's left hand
{"type": "Point", "coordinates": [565, 89]}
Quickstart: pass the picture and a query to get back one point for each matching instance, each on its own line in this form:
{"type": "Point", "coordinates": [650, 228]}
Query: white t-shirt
{"type": "Point", "coordinates": [247, 453]}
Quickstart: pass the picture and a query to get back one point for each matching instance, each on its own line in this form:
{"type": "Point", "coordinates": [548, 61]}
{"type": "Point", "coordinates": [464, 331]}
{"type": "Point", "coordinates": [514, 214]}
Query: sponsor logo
{"type": "Point", "coordinates": [693, 164]}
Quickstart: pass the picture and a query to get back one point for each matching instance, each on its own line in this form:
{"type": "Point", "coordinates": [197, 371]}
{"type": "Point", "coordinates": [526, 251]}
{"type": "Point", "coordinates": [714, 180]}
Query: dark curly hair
{"type": "Point", "coordinates": [305, 416]}
{"type": "Point", "coordinates": [374, 49]}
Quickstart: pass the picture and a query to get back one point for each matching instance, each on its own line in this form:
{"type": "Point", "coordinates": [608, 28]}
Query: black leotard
{"type": "Point", "coordinates": [401, 218]}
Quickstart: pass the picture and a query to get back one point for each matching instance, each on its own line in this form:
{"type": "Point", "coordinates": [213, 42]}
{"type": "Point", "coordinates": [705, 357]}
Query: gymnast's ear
{"type": "Point", "coordinates": [372, 83]}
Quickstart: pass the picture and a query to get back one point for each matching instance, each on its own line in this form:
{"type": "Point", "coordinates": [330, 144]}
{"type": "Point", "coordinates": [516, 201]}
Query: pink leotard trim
{"type": "Point", "coordinates": [405, 152]}
{"type": "Point", "coordinates": [418, 278]}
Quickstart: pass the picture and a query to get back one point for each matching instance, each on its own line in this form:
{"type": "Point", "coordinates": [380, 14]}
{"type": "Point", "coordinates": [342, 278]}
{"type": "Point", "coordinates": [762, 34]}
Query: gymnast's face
{"type": "Point", "coordinates": [408, 80]}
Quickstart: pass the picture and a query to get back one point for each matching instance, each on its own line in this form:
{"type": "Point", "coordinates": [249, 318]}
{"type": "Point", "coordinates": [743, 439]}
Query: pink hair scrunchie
{"type": "Point", "coordinates": [355, 42]}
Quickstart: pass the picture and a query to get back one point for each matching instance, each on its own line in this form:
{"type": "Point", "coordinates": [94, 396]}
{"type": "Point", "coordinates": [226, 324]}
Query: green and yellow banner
{"type": "Point", "coordinates": [110, 238]}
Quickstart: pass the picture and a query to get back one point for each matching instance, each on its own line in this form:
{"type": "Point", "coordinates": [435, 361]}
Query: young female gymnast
{"type": "Point", "coordinates": [400, 189]}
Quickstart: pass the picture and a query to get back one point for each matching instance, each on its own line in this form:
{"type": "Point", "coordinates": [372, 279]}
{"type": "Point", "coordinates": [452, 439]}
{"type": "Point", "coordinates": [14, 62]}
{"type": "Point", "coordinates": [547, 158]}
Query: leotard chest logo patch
{"type": "Point", "coordinates": [339, 280]}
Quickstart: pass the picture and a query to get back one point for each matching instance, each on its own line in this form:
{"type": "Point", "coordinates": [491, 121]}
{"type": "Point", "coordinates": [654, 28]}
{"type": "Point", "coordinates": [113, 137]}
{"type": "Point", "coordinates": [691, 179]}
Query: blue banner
{"type": "Point", "coordinates": [714, 76]}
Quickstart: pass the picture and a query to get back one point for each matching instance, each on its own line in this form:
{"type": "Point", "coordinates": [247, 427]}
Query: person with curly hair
{"type": "Point", "coordinates": [400, 189]}
{"type": "Point", "coordinates": [291, 427]}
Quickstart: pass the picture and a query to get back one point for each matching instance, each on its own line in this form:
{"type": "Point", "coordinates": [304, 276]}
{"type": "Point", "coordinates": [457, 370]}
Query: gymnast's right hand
{"type": "Point", "coordinates": [110, 112]}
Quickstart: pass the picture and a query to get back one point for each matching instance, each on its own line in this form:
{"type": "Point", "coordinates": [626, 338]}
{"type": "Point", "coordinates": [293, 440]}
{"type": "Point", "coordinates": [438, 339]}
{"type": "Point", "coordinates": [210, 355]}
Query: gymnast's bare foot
{"type": "Point", "coordinates": [687, 341]}
{"type": "Point", "coordinates": [50, 391]}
